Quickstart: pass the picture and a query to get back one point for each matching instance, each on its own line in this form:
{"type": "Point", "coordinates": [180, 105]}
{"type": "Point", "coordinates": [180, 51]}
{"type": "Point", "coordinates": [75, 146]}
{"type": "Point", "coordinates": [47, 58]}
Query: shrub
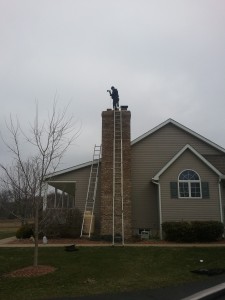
{"type": "Point", "coordinates": [178, 231]}
{"type": "Point", "coordinates": [95, 237]}
{"type": "Point", "coordinates": [25, 232]}
{"type": "Point", "coordinates": [208, 231]}
{"type": "Point", "coordinates": [62, 223]}
{"type": "Point", "coordinates": [107, 237]}
{"type": "Point", "coordinates": [197, 231]}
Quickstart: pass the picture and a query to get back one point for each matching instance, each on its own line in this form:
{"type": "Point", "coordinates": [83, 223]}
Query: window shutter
{"type": "Point", "coordinates": [205, 190]}
{"type": "Point", "coordinates": [173, 190]}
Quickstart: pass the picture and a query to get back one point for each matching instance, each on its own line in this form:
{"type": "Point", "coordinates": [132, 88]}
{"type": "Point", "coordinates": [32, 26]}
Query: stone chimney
{"type": "Point", "coordinates": [107, 177]}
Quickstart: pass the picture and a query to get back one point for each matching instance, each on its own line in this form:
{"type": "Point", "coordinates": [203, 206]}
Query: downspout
{"type": "Point", "coordinates": [160, 208]}
{"type": "Point", "coordinates": [220, 201]}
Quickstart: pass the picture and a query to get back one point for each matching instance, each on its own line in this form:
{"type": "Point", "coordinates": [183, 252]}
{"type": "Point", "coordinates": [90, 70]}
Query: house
{"type": "Point", "coordinates": [170, 173]}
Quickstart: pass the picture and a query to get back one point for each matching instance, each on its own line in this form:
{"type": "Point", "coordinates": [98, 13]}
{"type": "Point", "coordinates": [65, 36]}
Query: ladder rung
{"type": "Point", "coordinates": [88, 208]}
{"type": "Point", "coordinates": [90, 201]}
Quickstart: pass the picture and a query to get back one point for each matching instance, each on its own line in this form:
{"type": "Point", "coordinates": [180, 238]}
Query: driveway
{"type": "Point", "coordinates": [209, 288]}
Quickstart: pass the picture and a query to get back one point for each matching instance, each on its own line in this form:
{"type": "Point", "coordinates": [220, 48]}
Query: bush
{"type": "Point", "coordinates": [62, 223]}
{"type": "Point", "coordinates": [178, 231]}
{"type": "Point", "coordinates": [208, 231]}
{"type": "Point", "coordinates": [25, 232]}
{"type": "Point", "coordinates": [95, 237]}
{"type": "Point", "coordinates": [197, 231]}
{"type": "Point", "coordinates": [107, 237]}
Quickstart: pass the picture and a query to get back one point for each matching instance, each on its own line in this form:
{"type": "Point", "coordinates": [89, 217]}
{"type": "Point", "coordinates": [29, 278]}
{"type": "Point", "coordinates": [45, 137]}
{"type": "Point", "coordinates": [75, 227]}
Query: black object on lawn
{"type": "Point", "coordinates": [70, 248]}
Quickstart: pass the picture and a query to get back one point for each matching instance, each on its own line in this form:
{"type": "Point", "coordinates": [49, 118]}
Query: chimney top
{"type": "Point", "coordinates": [124, 107]}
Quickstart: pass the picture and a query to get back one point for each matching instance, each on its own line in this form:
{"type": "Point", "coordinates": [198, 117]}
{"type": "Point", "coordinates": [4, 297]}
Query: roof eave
{"type": "Point", "coordinates": [74, 168]}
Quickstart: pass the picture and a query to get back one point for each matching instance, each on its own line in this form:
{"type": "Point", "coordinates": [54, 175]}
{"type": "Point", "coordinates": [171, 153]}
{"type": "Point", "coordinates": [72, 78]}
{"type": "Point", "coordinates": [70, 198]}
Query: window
{"type": "Point", "coordinates": [189, 185]}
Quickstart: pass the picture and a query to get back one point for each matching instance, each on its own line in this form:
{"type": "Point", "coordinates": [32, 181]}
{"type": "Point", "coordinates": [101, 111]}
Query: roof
{"type": "Point", "coordinates": [171, 121]}
{"type": "Point", "coordinates": [213, 161]}
{"type": "Point", "coordinates": [196, 153]}
{"type": "Point", "coordinates": [77, 167]}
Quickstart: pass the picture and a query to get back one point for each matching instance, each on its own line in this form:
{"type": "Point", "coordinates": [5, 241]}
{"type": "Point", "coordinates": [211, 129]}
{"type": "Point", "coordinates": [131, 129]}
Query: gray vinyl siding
{"type": "Point", "coordinates": [148, 157]}
{"type": "Point", "coordinates": [81, 176]}
{"type": "Point", "coordinates": [186, 209]}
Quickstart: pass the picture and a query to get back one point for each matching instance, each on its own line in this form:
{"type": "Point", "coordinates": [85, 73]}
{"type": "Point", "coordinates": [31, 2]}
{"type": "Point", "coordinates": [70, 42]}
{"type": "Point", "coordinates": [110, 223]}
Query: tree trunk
{"type": "Point", "coordinates": [36, 232]}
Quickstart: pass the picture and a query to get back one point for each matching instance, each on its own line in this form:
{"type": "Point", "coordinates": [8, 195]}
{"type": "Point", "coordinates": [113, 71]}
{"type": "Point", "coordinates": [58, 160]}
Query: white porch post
{"type": "Point", "coordinates": [45, 196]}
{"type": "Point", "coordinates": [55, 202]}
{"type": "Point", "coordinates": [62, 199]}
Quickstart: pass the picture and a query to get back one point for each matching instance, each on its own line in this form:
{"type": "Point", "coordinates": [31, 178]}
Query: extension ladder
{"type": "Point", "coordinates": [86, 228]}
{"type": "Point", "coordinates": [118, 175]}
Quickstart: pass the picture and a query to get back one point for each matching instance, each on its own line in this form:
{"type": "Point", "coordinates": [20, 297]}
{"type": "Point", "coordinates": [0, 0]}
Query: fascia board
{"type": "Point", "coordinates": [156, 177]}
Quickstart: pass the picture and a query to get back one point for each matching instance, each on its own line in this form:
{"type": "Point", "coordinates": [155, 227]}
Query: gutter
{"type": "Point", "coordinates": [160, 207]}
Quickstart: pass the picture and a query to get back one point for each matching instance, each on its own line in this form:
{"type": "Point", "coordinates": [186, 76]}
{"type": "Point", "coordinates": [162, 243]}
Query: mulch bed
{"type": "Point", "coordinates": [31, 271]}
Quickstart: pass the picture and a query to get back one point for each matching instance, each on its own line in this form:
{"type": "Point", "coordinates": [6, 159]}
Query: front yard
{"type": "Point", "coordinates": [93, 270]}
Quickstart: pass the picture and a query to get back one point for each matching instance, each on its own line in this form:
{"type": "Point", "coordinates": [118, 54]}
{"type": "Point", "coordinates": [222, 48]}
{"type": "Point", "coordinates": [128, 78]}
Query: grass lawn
{"type": "Point", "coordinates": [7, 232]}
{"type": "Point", "coordinates": [93, 270]}
{"type": "Point", "coordinates": [8, 228]}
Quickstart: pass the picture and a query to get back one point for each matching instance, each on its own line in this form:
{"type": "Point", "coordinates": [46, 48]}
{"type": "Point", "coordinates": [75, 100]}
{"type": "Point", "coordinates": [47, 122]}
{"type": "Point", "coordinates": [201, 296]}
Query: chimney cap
{"type": "Point", "coordinates": [124, 107]}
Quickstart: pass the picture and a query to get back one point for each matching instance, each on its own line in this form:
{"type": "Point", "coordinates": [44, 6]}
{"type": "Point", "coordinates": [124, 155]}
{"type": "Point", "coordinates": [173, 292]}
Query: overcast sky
{"type": "Point", "coordinates": [166, 57]}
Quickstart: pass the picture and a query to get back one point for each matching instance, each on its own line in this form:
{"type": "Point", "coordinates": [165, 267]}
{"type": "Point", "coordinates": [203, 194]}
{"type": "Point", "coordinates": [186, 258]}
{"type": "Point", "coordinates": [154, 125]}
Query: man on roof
{"type": "Point", "coordinates": [115, 96]}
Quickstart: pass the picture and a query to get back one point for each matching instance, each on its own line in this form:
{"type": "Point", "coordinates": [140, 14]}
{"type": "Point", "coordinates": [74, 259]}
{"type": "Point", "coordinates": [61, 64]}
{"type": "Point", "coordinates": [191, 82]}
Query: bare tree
{"type": "Point", "coordinates": [50, 139]}
{"type": "Point", "coordinates": [15, 183]}
{"type": "Point", "coordinates": [6, 204]}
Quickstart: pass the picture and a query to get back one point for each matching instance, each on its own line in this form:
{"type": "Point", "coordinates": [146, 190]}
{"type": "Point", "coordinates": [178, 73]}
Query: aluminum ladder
{"type": "Point", "coordinates": [86, 227]}
{"type": "Point", "coordinates": [118, 174]}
